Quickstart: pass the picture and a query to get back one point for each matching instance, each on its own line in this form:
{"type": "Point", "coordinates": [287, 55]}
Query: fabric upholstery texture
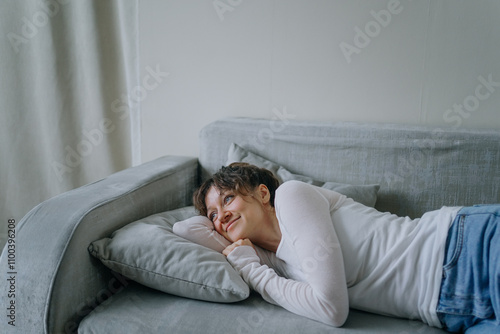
{"type": "Point", "coordinates": [418, 168]}
{"type": "Point", "coordinates": [148, 252]}
{"type": "Point", "coordinates": [60, 282]}
{"type": "Point", "coordinates": [163, 313]}
{"type": "Point", "coordinates": [365, 194]}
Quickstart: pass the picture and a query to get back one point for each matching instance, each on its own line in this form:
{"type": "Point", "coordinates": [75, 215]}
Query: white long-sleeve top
{"type": "Point", "coordinates": [336, 253]}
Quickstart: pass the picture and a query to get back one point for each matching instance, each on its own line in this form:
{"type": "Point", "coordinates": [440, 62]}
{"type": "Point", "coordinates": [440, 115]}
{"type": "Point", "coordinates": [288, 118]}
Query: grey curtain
{"type": "Point", "coordinates": [68, 116]}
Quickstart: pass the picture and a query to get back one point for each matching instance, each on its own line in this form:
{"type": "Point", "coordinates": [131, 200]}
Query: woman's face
{"type": "Point", "coordinates": [235, 216]}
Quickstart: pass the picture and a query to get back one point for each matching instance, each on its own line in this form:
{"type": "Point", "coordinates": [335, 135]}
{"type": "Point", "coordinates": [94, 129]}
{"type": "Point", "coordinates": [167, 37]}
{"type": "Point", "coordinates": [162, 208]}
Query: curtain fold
{"type": "Point", "coordinates": [67, 67]}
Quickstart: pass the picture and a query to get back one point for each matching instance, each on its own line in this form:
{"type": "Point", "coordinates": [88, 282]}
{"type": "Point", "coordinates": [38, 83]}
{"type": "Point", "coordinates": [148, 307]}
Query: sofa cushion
{"type": "Point", "coordinates": [148, 252]}
{"type": "Point", "coordinates": [364, 194]}
{"type": "Point", "coordinates": [138, 309]}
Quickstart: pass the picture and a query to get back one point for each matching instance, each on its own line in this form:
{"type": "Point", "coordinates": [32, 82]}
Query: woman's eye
{"type": "Point", "coordinates": [228, 199]}
{"type": "Point", "coordinates": [212, 216]}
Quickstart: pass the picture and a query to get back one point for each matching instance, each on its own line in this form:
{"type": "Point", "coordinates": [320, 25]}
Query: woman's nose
{"type": "Point", "coordinates": [225, 216]}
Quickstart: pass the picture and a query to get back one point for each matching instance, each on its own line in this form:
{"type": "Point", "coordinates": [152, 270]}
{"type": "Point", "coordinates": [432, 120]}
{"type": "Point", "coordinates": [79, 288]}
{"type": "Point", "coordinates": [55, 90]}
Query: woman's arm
{"type": "Point", "coordinates": [304, 215]}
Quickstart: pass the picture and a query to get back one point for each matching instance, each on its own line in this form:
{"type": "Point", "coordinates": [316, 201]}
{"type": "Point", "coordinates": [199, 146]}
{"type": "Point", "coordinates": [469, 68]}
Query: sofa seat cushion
{"type": "Point", "coordinates": [138, 309]}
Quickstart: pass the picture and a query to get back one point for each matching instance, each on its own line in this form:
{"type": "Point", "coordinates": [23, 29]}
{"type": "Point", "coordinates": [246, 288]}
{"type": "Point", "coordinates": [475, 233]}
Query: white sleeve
{"type": "Point", "coordinates": [200, 230]}
{"type": "Point", "coordinates": [304, 215]}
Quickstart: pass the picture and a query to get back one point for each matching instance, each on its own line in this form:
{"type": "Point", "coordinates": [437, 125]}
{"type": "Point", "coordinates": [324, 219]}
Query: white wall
{"type": "Point", "coordinates": [429, 62]}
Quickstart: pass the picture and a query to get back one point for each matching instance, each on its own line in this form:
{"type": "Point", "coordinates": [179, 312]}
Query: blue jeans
{"type": "Point", "coordinates": [469, 300]}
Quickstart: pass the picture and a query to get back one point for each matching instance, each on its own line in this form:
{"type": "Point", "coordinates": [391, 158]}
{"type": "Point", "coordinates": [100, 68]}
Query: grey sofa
{"type": "Point", "coordinates": [60, 288]}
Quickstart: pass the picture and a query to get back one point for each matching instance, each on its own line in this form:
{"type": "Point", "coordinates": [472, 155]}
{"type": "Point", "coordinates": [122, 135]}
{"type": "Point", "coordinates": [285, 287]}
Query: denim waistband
{"type": "Point", "coordinates": [470, 289]}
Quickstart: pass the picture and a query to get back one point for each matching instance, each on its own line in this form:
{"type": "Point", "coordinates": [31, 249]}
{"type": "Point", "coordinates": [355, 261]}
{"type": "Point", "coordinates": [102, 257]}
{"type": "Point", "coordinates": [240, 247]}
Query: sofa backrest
{"type": "Point", "coordinates": [419, 168]}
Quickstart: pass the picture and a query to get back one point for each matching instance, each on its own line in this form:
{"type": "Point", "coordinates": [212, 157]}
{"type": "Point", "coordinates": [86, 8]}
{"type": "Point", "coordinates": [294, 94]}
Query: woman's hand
{"type": "Point", "coordinates": [241, 242]}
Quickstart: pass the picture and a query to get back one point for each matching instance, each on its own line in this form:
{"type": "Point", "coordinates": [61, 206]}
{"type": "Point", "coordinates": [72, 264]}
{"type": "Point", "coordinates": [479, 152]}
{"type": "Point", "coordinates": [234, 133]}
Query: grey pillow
{"type": "Point", "coordinates": [148, 252]}
{"type": "Point", "coordinates": [364, 194]}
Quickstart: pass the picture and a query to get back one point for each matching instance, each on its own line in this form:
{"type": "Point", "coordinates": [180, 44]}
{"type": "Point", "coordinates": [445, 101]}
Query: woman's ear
{"type": "Point", "coordinates": [264, 193]}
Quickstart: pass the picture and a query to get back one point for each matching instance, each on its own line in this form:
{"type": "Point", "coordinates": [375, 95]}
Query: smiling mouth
{"type": "Point", "coordinates": [231, 223]}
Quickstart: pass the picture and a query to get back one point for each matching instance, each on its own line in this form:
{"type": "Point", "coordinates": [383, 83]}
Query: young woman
{"type": "Point", "coordinates": [316, 252]}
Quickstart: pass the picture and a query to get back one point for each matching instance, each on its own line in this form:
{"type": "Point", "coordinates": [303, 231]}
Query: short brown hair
{"type": "Point", "coordinates": [239, 177]}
